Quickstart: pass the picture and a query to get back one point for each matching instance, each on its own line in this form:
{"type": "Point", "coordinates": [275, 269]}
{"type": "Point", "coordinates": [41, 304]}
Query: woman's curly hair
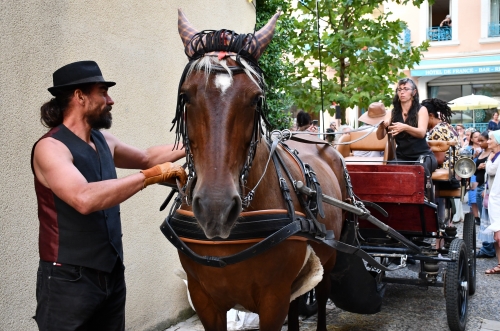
{"type": "Point", "coordinates": [439, 109]}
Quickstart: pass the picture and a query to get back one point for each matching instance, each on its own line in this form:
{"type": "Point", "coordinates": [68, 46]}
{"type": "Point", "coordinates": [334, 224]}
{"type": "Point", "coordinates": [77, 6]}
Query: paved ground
{"type": "Point", "coordinates": [409, 308]}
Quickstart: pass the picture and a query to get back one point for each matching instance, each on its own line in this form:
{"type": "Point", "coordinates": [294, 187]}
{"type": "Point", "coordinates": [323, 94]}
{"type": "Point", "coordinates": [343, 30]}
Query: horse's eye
{"type": "Point", "coordinates": [184, 98]}
{"type": "Point", "coordinates": [257, 101]}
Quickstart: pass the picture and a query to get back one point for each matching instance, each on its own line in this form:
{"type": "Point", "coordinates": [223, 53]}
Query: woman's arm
{"type": "Point", "coordinates": [491, 167]}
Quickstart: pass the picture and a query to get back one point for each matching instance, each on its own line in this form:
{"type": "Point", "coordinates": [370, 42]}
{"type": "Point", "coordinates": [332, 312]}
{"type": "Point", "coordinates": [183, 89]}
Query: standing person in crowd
{"type": "Point", "coordinates": [494, 124]}
{"type": "Point", "coordinates": [475, 149]}
{"type": "Point", "coordinates": [460, 129]}
{"type": "Point", "coordinates": [468, 133]}
{"type": "Point", "coordinates": [446, 22]}
{"type": "Point", "coordinates": [487, 249]}
{"type": "Point", "coordinates": [494, 201]}
{"type": "Point", "coordinates": [304, 122]}
{"type": "Point", "coordinates": [332, 129]}
{"type": "Point", "coordinates": [80, 280]}
{"type": "Point", "coordinates": [408, 124]}
{"type": "Point", "coordinates": [481, 172]}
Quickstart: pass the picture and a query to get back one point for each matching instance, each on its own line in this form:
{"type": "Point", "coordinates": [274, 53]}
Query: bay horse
{"type": "Point", "coordinates": [233, 177]}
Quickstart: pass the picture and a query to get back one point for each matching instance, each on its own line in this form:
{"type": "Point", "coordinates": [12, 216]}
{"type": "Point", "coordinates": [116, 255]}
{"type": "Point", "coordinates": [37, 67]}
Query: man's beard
{"type": "Point", "coordinates": [101, 120]}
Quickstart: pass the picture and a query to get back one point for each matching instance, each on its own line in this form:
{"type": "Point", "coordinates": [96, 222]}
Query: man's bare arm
{"type": "Point", "coordinates": [54, 168]}
{"type": "Point", "coordinates": [129, 157]}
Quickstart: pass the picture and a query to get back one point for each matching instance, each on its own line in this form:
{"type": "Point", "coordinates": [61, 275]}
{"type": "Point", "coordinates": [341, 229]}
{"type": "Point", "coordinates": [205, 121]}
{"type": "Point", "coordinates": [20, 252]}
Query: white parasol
{"type": "Point", "coordinates": [473, 102]}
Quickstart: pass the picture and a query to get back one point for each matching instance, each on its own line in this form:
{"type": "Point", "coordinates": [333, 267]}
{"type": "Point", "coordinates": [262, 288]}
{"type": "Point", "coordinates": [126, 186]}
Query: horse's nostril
{"type": "Point", "coordinates": [196, 203]}
{"type": "Point", "coordinates": [235, 210]}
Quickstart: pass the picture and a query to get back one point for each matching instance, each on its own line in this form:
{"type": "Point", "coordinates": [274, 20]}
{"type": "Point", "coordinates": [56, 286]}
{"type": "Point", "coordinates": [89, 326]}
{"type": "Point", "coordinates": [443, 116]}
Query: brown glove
{"type": "Point", "coordinates": [165, 172]}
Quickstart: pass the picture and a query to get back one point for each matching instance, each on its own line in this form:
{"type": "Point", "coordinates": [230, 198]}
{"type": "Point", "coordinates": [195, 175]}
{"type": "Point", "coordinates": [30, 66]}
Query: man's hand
{"type": "Point", "coordinates": [165, 172]}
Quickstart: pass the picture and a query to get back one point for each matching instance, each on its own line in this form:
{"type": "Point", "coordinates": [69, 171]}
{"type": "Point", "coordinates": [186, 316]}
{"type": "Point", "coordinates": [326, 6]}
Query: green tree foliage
{"type": "Point", "coordinates": [363, 48]}
{"type": "Point", "coordinates": [277, 70]}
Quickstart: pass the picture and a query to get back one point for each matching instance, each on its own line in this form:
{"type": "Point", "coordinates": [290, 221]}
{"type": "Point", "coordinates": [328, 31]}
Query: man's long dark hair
{"type": "Point", "coordinates": [415, 104]}
{"type": "Point", "coordinates": [52, 112]}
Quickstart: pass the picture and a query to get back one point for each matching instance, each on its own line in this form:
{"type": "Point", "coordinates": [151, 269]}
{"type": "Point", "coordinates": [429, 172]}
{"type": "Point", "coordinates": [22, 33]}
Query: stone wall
{"type": "Point", "coordinates": [136, 44]}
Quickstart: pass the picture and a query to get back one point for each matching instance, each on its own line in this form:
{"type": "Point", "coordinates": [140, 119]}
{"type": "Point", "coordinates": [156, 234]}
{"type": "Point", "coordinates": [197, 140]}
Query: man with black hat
{"type": "Point", "coordinates": [80, 280]}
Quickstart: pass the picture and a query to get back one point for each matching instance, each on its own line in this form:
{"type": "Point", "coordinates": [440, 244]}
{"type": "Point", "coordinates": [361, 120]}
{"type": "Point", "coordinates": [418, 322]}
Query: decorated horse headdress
{"type": "Point", "coordinates": [221, 43]}
{"type": "Point", "coordinates": [245, 50]}
{"type": "Point", "coordinates": [250, 46]}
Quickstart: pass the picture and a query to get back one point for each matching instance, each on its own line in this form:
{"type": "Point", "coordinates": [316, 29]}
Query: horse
{"type": "Point", "coordinates": [221, 106]}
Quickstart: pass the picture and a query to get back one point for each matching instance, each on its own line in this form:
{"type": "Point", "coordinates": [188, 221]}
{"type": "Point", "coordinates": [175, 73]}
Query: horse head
{"type": "Point", "coordinates": [218, 117]}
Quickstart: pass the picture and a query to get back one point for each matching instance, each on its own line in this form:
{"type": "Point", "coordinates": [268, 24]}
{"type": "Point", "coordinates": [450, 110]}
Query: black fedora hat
{"type": "Point", "coordinates": [77, 73]}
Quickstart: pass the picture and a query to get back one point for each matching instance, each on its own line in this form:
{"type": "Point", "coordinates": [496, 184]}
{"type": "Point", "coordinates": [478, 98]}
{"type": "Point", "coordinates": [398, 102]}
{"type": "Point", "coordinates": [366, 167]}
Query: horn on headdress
{"type": "Point", "coordinates": [265, 34]}
{"type": "Point", "coordinates": [186, 30]}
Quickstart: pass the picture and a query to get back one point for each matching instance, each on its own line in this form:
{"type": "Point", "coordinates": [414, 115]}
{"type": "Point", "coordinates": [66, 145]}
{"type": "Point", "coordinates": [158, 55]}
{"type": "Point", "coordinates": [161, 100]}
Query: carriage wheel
{"type": "Point", "coordinates": [308, 305]}
{"type": "Point", "coordinates": [470, 242]}
{"type": "Point", "coordinates": [455, 286]}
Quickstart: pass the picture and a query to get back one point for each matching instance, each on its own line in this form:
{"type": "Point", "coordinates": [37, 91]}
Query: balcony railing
{"type": "Point", "coordinates": [494, 29]}
{"type": "Point", "coordinates": [437, 33]}
{"type": "Point", "coordinates": [481, 127]}
{"type": "Point", "coordinates": [406, 37]}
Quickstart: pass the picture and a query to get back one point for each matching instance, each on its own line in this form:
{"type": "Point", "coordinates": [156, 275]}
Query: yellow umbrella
{"type": "Point", "coordinates": [473, 102]}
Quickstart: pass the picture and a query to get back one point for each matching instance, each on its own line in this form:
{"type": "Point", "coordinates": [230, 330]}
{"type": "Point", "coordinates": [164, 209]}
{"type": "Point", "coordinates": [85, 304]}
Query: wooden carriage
{"type": "Point", "coordinates": [399, 196]}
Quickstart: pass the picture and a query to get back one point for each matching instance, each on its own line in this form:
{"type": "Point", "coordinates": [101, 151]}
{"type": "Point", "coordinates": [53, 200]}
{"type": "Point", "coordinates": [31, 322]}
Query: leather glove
{"type": "Point", "coordinates": [166, 172]}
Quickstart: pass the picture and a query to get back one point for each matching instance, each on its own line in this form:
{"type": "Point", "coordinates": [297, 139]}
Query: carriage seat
{"type": "Point", "coordinates": [439, 148]}
{"type": "Point", "coordinates": [369, 143]}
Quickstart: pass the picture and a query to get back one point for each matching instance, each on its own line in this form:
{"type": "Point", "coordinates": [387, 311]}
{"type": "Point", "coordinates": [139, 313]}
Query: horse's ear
{"type": "Point", "coordinates": [186, 30]}
{"type": "Point", "coordinates": [265, 34]}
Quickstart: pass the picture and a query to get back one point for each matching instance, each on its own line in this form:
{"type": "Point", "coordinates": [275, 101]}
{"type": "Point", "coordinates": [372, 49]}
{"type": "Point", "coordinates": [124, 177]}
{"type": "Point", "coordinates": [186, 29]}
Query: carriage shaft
{"type": "Point", "coordinates": [363, 213]}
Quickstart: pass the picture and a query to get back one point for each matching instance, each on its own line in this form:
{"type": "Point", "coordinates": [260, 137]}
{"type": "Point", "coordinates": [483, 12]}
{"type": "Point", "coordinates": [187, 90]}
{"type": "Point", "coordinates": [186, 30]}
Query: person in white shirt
{"type": "Point", "coordinates": [494, 197]}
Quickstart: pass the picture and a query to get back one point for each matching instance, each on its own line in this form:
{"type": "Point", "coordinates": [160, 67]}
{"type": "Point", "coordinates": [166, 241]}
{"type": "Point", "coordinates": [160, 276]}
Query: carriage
{"type": "Point", "coordinates": [266, 215]}
{"type": "Point", "coordinates": [409, 203]}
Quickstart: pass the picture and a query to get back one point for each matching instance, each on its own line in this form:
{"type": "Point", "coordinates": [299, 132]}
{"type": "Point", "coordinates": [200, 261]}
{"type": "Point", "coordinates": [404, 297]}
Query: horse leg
{"type": "Point", "coordinates": [272, 314]}
{"type": "Point", "coordinates": [211, 316]}
{"type": "Point", "coordinates": [293, 315]}
{"type": "Point", "coordinates": [322, 291]}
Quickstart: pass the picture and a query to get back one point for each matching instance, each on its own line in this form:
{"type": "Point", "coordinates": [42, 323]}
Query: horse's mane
{"type": "Point", "coordinates": [207, 64]}
{"type": "Point", "coordinates": [207, 41]}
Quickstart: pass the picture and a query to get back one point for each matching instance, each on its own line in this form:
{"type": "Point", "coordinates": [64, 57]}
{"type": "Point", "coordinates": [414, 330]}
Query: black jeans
{"type": "Point", "coordinates": [77, 298]}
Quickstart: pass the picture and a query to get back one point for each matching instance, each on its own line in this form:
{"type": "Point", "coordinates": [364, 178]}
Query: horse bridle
{"type": "Point", "coordinates": [180, 121]}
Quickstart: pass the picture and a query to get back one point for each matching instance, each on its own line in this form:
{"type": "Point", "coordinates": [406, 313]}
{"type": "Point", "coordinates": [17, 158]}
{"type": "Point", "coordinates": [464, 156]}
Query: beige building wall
{"type": "Point", "coordinates": [470, 57]}
{"type": "Point", "coordinates": [136, 44]}
{"type": "Point", "coordinates": [469, 18]}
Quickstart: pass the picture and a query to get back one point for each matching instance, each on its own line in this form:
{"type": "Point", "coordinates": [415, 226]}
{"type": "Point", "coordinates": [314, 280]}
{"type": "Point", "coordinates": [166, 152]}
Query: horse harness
{"type": "Point", "coordinates": [274, 227]}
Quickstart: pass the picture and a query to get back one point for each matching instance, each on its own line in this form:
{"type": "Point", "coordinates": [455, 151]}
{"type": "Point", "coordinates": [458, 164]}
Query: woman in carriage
{"type": "Point", "coordinates": [407, 123]}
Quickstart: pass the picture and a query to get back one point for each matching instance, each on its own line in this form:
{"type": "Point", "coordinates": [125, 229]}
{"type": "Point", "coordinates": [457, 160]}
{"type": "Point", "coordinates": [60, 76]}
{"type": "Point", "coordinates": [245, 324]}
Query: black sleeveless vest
{"type": "Point", "coordinates": [66, 236]}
